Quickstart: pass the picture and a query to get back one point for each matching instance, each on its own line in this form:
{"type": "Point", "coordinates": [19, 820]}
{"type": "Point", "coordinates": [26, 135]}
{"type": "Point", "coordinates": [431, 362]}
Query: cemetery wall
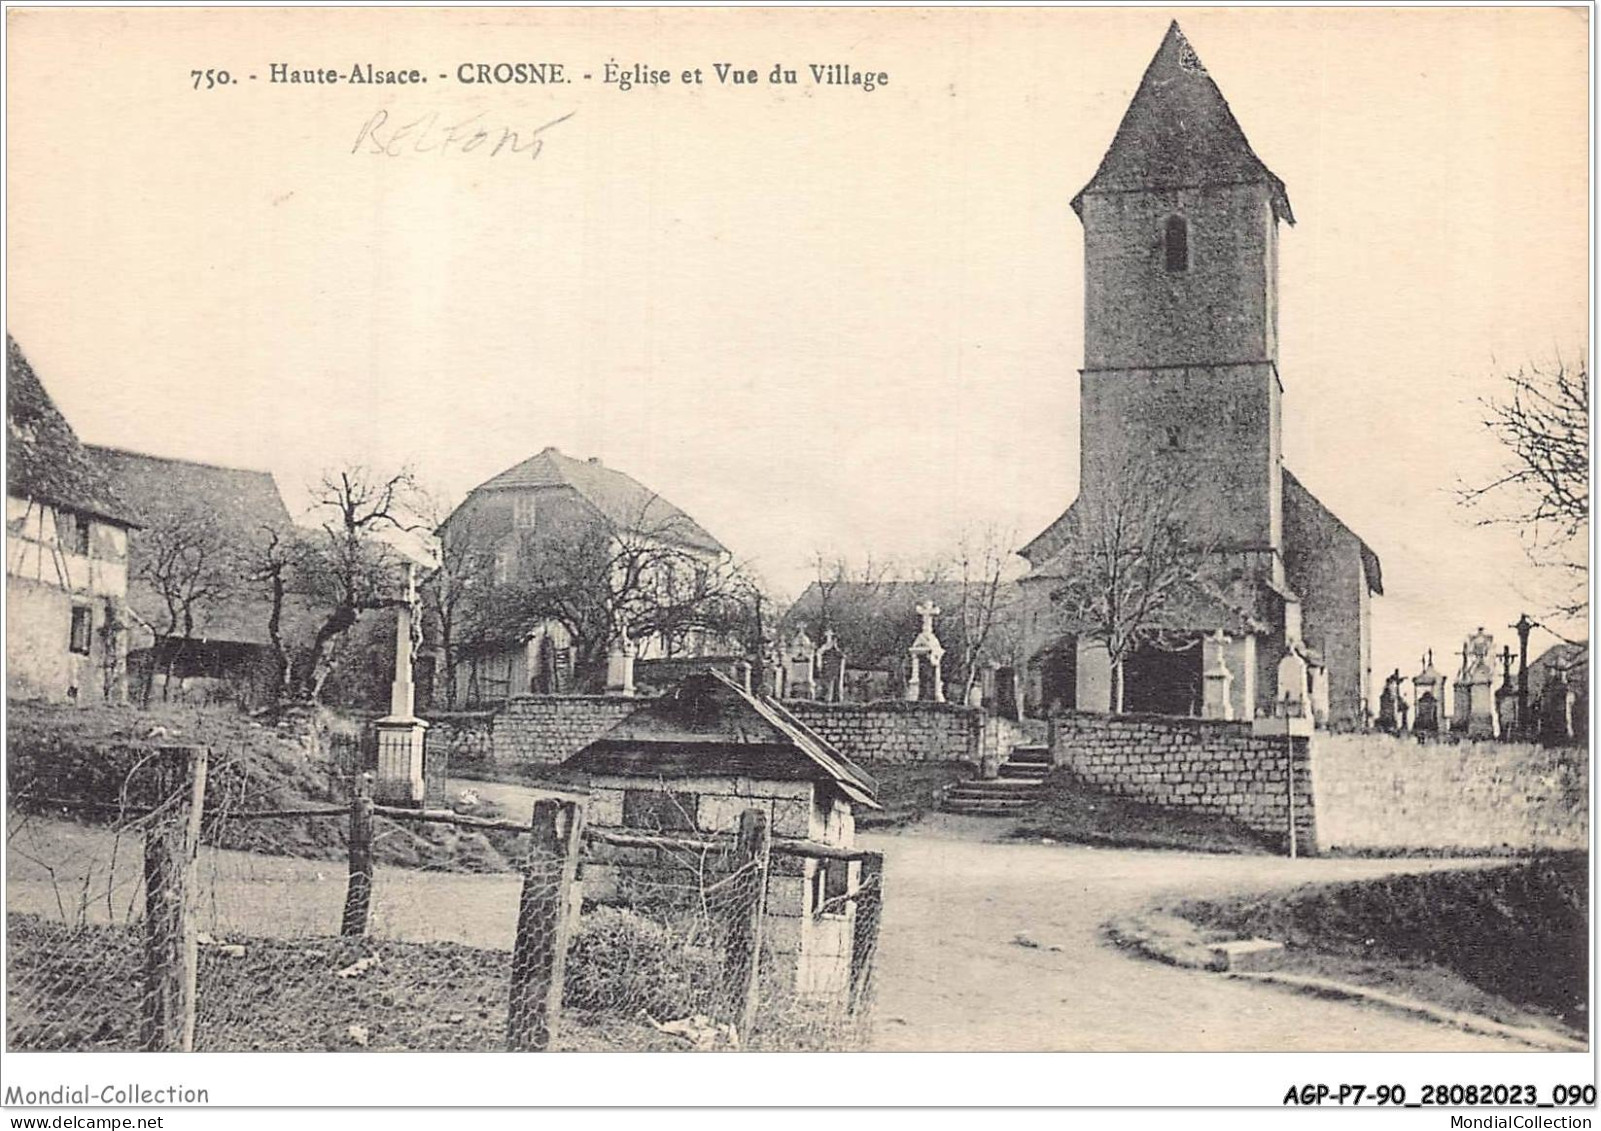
{"type": "Point", "coordinates": [896, 730]}
{"type": "Point", "coordinates": [1388, 793]}
{"type": "Point", "coordinates": [466, 738]}
{"type": "Point", "coordinates": [1207, 765]}
{"type": "Point", "coordinates": [548, 729]}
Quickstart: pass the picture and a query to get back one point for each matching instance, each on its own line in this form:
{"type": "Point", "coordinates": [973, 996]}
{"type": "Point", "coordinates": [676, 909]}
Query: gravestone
{"type": "Point", "coordinates": [831, 669]}
{"type": "Point", "coordinates": [1215, 699]}
{"type": "Point", "coordinates": [1474, 706]}
{"type": "Point", "coordinates": [800, 668]}
{"type": "Point", "coordinates": [925, 654]}
{"type": "Point", "coordinates": [1429, 687]}
{"type": "Point", "coordinates": [1007, 701]}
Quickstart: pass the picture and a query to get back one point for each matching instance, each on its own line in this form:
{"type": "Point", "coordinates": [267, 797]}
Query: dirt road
{"type": "Point", "coordinates": [952, 978]}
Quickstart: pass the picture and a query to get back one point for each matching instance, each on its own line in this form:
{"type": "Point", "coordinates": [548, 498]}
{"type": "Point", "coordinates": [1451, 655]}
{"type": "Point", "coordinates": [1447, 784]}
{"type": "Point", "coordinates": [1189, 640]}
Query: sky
{"type": "Point", "coordinates": [818, 319]}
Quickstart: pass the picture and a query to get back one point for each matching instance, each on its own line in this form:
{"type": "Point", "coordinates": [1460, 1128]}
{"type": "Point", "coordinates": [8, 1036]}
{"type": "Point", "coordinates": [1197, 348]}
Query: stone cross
{"type": "Point", "coordinates": [928, 610]}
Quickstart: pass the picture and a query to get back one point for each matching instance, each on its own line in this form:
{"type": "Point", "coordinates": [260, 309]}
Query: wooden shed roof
{"type": "Point", "coordinates": [711, 725]}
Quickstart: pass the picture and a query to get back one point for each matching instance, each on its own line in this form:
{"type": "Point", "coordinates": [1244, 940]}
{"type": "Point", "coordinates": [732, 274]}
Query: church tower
{"type": "Point", "coordinates": [1181, 306]}
{"type": "Point", "coordinates": [1181, 379]}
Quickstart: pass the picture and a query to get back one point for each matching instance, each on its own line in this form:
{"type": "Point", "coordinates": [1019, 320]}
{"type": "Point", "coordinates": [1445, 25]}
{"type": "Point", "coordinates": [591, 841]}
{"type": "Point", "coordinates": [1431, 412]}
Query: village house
{"type": "Point", "coordinates": [66, 555]}
{"type": "Point", "coordinates": [203, 528]}
{"type": "Point", "coordinates": [1181, 227]}
{"type": "Point", "coordinates": [562, 529]}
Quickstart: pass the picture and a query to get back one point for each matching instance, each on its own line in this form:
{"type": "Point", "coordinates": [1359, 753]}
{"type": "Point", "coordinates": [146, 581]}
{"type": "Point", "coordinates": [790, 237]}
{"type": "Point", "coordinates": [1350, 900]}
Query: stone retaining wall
{"type": "Point", "coordinates": [896, 731]}
{"type": "Point", "coordinates": [1386, 793]}
{"type": "Point", "coordinates": [548, 729]}
{"type": "Point", "coordinates": [1197, 764]}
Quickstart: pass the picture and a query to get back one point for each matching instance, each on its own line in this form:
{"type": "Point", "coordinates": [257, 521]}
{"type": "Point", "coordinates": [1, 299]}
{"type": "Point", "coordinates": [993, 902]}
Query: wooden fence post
{"type": "Point", "coordinates": [752, 852]}
{"type": "Point", "coordinates": [172, 845]}
{"type": "Point", "coordinates": [864, 932]}
{"type": "Point", "coordinates": [539, 957]}
{"type": "Point", "coordinates": [358, 890]}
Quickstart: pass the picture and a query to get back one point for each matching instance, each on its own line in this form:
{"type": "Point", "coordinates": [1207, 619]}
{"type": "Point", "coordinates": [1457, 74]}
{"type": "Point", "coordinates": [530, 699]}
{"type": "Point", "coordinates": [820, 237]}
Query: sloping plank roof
{"type": "Point", "coordinates": [709, 724]}
{"type": "Point", "coordinates": [1179, 132]}
{"type": "Point", "coordinates": [622, 500]}
{"type": "Point", "coordinates": [44, 458]}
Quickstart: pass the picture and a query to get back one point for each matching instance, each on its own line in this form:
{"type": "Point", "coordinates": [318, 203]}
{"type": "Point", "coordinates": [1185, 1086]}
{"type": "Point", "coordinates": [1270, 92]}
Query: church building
{"type": "Point", "coordinates": [1181, 378]}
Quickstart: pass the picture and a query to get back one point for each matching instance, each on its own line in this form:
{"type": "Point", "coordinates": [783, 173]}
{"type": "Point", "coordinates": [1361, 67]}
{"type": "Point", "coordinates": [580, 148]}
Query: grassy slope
{"type": "Point", "coordinates": [1072, 812]}
{"type": "Point", "coordinates": [78, 990]}
{"type": "Point", "coordinates": [908, 791]}
{"type": "Point", "coordinates": [1509, 942]}
{"type": "Point", "coordinates": [96, 754]}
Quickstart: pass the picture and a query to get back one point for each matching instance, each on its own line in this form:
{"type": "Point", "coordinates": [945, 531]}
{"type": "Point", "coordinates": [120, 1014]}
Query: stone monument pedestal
{"type": "Point", "coordinates": [400, 779]}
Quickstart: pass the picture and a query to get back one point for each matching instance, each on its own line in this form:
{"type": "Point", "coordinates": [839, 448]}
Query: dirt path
{"type": "Point", "coordinates": [951, 977]}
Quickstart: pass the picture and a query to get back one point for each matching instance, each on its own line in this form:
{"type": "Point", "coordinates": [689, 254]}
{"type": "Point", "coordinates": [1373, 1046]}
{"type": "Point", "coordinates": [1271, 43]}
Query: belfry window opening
{"type": "Point", "coordinates": [1177, 242]}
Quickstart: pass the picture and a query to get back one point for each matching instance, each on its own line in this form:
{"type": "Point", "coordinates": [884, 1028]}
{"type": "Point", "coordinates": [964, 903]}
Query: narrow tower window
{"type": "Point", "coordinates": [1178, 244]}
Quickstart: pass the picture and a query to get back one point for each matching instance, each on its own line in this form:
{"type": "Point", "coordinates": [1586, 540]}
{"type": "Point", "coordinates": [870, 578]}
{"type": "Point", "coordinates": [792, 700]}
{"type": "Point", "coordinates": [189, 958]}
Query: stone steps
{"type": "Point", "coordinates": [987, 808]}
{"type": "Point", "coordinates": [1009, 794]}
{"type": "Point", "coordinates": [1002, 790]}
{"type": "Point", "coordinates": [1025, 771]}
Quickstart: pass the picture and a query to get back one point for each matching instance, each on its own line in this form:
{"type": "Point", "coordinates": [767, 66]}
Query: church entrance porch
{"type": "Point", "coordinates": [1053, 679]}
{"type": "Point", "coordinates": [1164, 681]}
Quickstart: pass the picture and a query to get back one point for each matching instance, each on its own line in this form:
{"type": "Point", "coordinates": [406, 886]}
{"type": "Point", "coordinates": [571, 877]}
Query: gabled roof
{"type": "Point", "coordinates": [709, 724]}
{"type": "Point", "coordinates": [242, 507]}
{"type": "Point", "coordinates": [44, 459]}
{"type": "Point", "coordinates": [242, 502]}
{"type": "Point", "coordinates": [621, 500]}
{"type": "Point", "coordinates": [1047, 542]}
{"type": "Point", "coordinates": [1179, 132]}
{"type": "Point", "coordinates": [1371, 570]}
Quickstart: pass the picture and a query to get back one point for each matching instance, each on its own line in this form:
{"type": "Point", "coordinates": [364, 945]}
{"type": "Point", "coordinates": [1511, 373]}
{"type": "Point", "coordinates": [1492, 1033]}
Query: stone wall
{"type": "Point", "coordinates": [549, 729]}
{"type": "Point", "coordinates": [466, 738]}
{"type": "Point", "coordinates": [895, 730]}
{"type": "Point", "coordinates": [1196, 764]}
{"type": "Point", "coordinates": [1383, 793]}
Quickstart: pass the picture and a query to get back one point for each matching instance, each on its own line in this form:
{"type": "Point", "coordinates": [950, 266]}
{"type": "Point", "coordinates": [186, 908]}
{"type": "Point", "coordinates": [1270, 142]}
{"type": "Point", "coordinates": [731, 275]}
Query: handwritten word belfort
{"type": "Point", "coordinates": [384, 135]}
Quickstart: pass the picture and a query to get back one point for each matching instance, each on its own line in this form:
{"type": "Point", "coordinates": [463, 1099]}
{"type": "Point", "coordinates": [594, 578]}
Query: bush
{"type": "Point", "coordinates": [621, 961]}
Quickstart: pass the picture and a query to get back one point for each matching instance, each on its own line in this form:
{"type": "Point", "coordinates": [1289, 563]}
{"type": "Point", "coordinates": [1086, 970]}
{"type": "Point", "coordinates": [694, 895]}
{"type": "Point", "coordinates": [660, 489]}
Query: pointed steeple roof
{"type": "Point", "coordinates": [1179, 132]}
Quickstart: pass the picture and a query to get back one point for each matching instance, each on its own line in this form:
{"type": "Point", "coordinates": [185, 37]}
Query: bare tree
{"type": "Point", "coordinates": [270, 566]}
{"type": "Point", "coordinates": [1134, 556]}
{"type": "Point", "coordinates": [190, 565]}
{"type": "Point", "coordinates": [453, 592]}
{"type": "Point", "coordinates": [600, 580]}
{"type": "Point", "coordinates": [985, 608]}
{"type": "Point", "coordinates": [1543, 422]}
{"type": "Point", "coordinates": [349, 567]}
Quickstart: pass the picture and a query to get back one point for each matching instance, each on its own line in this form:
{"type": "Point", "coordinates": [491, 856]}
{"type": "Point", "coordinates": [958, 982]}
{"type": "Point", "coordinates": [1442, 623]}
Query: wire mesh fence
{"type": "Point", "coordinates": [246, 924]}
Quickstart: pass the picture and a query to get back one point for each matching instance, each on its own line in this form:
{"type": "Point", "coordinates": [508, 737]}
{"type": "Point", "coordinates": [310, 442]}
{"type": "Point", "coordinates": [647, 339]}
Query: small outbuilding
{"type": "Point", "coordinates": [691, 762]}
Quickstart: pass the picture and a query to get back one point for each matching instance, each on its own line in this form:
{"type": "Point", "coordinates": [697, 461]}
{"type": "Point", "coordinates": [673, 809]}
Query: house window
{"type": "Point", "coordinates": [83, 620]}
{"type": "Point", "coordinates": [1177, 243]}
{"type": "Point", "coordinates": [1174, 435]}
{"type": "Point", "coordinates": [831, 885]}
{"type": "Point", "coordinates": [658, 809]}
{"type": "Point", "coordinates": [504, 557]}
{"type": "Point", "coordinates": [72, 532]}
{"type": "Point", "coordinates": [522, 512]}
